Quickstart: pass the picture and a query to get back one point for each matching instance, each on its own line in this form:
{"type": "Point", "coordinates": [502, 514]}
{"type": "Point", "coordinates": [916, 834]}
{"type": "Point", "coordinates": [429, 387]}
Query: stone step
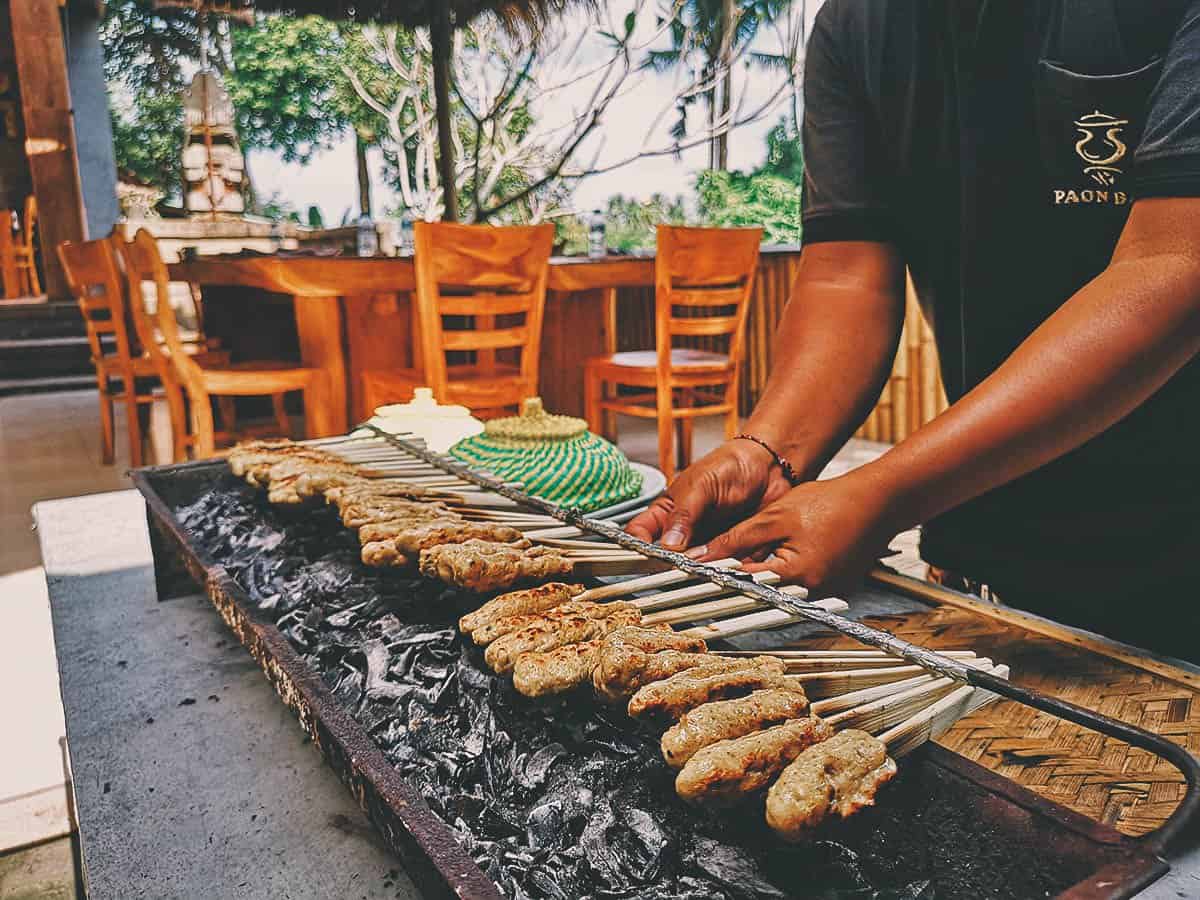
{"type": "Point", "coordinates": [38, 357]}
{"type": "Point", "coordinates": [13, 387]}
{"type": "Point", "coordinates": [36, 320]}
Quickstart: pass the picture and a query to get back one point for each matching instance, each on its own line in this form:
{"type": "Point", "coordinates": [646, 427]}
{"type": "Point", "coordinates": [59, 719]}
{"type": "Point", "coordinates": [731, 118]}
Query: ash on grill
{"type": "Point", "coordinates": [567, 799]}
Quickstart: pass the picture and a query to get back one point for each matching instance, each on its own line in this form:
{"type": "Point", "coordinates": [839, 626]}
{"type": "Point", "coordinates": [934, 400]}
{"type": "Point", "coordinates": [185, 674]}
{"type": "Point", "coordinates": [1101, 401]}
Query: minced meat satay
{"type": "Point", "coordinates": [409, 541]}
{"type": "Point", "coordinates": [242, 456]}
{"type": "Point", "coordinates": [633, 657]}
{"type": "Point", "coordinates": [503, 654]}
{"type": "Point", "coordinates": [674, 696]}
{"type": "Point", "coordinates": [655, 638]}
{"type": "Point", "coordinates": [313, 484]}
{"type": "Point", "coordinates": [725, 720]}
{"type": "Point", "coordinates": [425, 514]}
{"type": "Point", "coordinates": [384, 555]}
{"type": "Point", "coordinates": [571, 665]}
{"type": "Point", "coordinates": [366, 489]}
{"type": "Point", "coordinates": [497, 628]}
{"type": "Point", "coordinates": [484, 566]}
{"type": "Point", "coordinates": [837, 777]}
{"type": "Point", "coordinates": [283, 477]}
{"type": "Point", "coordinates": [728, 770]}
{"type": "Point", "coordinates": [255, 467]}
{"type": "Point", "coordinates": [556, 671]}
{"type": "Point", "coordinates": [435, 534]}
{"type": "Point", "coordinates": [516, 603]}
{"type": "Point", "coordinates": [622, 672]}
{"type": "Point", "coordinates": [359, 513]}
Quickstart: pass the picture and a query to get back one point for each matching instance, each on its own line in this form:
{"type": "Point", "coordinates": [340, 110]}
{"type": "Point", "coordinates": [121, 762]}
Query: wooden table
{"type": "Point", "coordinates": [346, 315]}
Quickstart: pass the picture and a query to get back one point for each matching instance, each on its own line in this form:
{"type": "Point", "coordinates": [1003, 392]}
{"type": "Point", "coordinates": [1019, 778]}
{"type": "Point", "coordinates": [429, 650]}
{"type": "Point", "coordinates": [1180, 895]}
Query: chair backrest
{"type": "Point", "coordinates": [143, 263]}
{"type": "Point", "coordinates": [10, 279]}
{"type": "Point", "coordinates": [491, 284]}
{"type": "Point", "coordinates": [94, 281]}
{"type": "Point", "coordinates": [703, 278]}
{"type": "Point", "coordinates": [149, 340]}
{"type": "Point", "coordinates": [29, 222]}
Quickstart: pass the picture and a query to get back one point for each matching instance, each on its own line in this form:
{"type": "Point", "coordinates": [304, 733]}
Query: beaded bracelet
{"type": "Point", "coordinates": [788, 472]}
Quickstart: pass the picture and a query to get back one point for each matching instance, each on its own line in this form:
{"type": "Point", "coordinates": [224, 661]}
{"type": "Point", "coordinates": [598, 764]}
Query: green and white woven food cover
{"type": "Point", "coordinates": [555, 457]}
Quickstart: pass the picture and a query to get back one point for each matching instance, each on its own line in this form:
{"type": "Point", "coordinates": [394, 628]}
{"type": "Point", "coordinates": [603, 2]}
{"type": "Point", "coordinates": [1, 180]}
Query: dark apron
{"type": "Point", "coordinates": [1090, 107]}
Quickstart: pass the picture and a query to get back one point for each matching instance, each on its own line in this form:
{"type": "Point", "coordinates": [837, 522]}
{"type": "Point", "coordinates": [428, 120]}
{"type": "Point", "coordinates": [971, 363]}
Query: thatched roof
{"type": "Point", "coordinates": [519, 14]}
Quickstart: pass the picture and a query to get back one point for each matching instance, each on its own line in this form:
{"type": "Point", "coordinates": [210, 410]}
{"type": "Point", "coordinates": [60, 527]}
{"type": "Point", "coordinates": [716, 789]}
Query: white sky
{"type": "Point", "coordinates": [329, 179]}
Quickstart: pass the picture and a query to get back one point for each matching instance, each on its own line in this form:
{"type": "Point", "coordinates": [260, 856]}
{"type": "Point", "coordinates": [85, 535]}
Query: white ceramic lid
{"type": "Point", "coordinates": [441, 426]}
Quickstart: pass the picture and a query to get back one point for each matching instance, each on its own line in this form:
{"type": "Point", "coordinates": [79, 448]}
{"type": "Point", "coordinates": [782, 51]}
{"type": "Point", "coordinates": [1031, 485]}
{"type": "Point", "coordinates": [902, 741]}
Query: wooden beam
{"type": "Point", "coordinates": [49, 131]}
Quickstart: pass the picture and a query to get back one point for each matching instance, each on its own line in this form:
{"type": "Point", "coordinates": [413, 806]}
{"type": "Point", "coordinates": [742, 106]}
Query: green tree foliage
{"type": "Point", "coordinates": [697, 32]}
{"type": "Point", "coordinates": [286, 77]}
{"type": "Point", "coordinates": [629, 224]}
{"type": "Point", "coordinates": [281, 85]}
{"type": "Point", "coordinates": [148, 140]}
{"type": "Point", "coordinates": [769, 196]}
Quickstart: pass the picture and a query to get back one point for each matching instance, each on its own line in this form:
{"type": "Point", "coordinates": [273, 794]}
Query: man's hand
{"type": "Point", "coordinates": [735, 480]}
{"type": "Point", "coordinates": [822, 534]}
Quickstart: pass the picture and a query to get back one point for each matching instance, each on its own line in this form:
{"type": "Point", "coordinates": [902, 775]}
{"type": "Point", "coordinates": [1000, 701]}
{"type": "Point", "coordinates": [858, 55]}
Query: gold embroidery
{"type": "Point", "coordinates": [1105, 129]}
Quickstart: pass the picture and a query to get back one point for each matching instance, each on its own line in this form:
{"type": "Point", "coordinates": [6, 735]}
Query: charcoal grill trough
{"type": "Point", "coordinates": [945, 828]}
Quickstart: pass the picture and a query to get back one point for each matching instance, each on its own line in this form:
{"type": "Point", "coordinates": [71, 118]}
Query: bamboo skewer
{"type": "Point", "coordinates": [728, 628]}
{"type": "Point", "coordinates": [704, 590]}
{"type": "Point", "coordinates": [841, 702]}
{"type": "Point", "coordinates": [649, 582]}
{"type": "Point", "coordinates": [760, 621]}
{"type": "Point", "coordinates": [725, 606]}
{"type": "Point", "coordinates": [934, 721]}
{"type": "Point", "coordinates": [819, 685]}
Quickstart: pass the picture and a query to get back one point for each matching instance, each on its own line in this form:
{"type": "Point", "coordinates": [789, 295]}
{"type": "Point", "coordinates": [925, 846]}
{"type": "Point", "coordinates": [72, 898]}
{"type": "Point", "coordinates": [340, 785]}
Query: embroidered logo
{"type": "Point", "coordinates": [1100, 146]}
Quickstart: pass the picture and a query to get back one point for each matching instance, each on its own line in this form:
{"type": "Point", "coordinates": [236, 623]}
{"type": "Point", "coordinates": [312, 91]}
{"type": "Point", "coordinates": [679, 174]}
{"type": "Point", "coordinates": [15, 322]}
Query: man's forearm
{"type": "Point", "coordinates": [833, 351]}
{"type": "Point", "coordinates": [1100, 356]}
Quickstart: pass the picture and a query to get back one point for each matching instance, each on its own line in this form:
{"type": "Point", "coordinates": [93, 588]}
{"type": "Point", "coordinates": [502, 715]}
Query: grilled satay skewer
{"type": "Point", "coordinates": [544, 632]}
{"type": "Point", "coordinates": [842, 775]}
{"type": "Point", "coordinates": [561, 668]}
{"type": "Point", "coordinates": [651, 608]}
{"type": "Point", "coordinates": [482, 566]}
{"type": "Point", "coordinates": [869, 710]}
{"type": "Point", "coordinates": [727, 769]}
{"type": "Point", "coordinates": [723, 720]}
{"type": "Point", "coordinates": [548, 596]}
{"type": "Point", "coordinates": [406, 545]}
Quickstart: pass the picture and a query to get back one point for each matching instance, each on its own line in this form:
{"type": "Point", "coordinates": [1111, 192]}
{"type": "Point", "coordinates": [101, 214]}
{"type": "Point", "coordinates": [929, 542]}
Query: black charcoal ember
{"type": "Point", "coordinates": [562, 799]}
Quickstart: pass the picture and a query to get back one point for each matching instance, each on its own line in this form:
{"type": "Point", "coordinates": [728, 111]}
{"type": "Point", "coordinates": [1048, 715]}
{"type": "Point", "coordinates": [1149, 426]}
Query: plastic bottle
{"type": "Point", "coordinates": [597, 245]}
{"type": "Point", "coordinates": [368, 237]}
{"type": "Point", "coordinates": [406, 234]}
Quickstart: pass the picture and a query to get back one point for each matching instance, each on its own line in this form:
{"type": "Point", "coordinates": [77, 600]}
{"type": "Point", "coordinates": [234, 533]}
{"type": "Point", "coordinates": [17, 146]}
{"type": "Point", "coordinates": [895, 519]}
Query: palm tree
{"type": "Point", "coordinates": [716, 30]}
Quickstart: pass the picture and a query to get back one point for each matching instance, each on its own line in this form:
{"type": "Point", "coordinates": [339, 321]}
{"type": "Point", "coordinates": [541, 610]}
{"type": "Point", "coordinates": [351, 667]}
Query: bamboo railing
{"type": "Point", "coordinates": [914, 392]}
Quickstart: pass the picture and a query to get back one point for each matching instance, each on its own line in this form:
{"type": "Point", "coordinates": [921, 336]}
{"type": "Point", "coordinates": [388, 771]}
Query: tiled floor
{"type": "Point", "coordinates": [50, 447]}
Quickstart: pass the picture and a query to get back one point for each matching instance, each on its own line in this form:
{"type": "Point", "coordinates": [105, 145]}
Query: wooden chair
{"type": "Point", "coordinates": [481, 293]}
{"type": "Point", "coordinates": [25, 254]}
{"type": "Point", "coordinates": [207, 376]}
{"type": "Point", "coordinates": [702, 284]}
{"type": "Point", "coordinates": [92, 275]}
{"type": "Point", "coordinates": [10, 276]}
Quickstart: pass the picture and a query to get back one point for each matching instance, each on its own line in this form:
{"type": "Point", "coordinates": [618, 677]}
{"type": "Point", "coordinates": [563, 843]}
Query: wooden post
{"type": "Point", "coordinates": [49, 131]}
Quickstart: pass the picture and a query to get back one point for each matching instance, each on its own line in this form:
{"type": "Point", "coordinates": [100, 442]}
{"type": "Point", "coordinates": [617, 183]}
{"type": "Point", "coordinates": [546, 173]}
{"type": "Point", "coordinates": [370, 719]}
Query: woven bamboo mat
{"type": "Point", "coordinates": [1100, 777]}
